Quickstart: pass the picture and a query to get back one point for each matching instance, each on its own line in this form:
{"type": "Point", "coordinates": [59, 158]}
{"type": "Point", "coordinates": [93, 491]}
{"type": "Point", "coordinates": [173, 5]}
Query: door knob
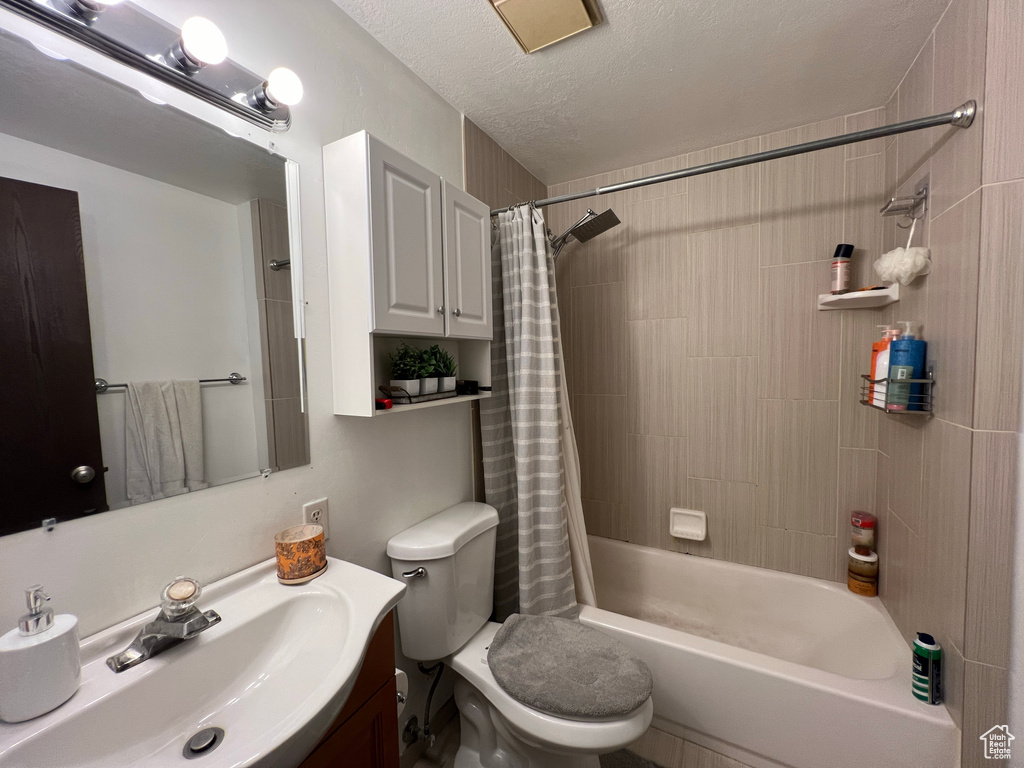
{"type": "Point", "coordinates": [83, 474]}
{"type": "Point", "coordinates": [457, 312]}
{"type": "Point", "coordinates": [440, 310]}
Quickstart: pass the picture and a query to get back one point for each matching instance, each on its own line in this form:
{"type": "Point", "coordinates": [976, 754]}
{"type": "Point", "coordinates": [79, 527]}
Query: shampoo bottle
{"type": "Point", "coordinates": [906, 361]}
{"type": "Point", "coordinates": [40, 666]}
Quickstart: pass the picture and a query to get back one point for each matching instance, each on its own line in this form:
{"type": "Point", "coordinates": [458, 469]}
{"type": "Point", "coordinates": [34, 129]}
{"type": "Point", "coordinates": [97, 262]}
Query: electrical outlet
{"type": "Point", "coordinates": [316, 512]}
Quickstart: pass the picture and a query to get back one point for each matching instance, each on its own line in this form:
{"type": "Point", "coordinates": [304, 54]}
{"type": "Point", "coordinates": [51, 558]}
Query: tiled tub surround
{"type": "Point", "coordinates": [700, 371]}
{"type": "Point", "coordinates": [789, 649]}
{"type": "Point", "coordinates": [702, 376]}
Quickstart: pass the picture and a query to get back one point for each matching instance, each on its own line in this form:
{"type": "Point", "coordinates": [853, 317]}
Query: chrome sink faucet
{"type": "Point", "coordinates": [178, 620]}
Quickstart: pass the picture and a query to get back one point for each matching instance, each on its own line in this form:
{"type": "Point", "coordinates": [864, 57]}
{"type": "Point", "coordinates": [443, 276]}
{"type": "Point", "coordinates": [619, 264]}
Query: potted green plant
{"type": "Point", "coordinates": [444, 368]}
{"type": "Point", "coordinates": [405, 368]}
{"type": "Point", "coordinates": [428, 378]}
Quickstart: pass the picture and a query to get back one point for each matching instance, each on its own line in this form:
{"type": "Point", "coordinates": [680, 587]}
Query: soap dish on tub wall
{"type": "Point", "coordinates": [688, 524]}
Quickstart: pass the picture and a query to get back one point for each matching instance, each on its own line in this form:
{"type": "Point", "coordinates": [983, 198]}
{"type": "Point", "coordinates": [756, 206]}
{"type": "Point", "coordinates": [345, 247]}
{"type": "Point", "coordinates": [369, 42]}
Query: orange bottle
{"type": "Point", "coordinates": [880, 369]}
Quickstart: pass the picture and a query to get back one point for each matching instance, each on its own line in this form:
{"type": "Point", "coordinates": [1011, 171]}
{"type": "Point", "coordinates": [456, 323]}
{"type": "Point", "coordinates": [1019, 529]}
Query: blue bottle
{"type": "Point", "coordinates": [906, 361]}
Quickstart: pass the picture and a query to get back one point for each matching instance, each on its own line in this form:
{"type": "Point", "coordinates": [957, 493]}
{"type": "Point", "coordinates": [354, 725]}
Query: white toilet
{"type": "Point", "coordinates": [448, 563]}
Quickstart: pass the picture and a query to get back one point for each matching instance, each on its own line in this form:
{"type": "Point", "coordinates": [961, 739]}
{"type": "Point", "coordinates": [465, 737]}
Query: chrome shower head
{"type": "Point", "coordinates": [587, 228]}
{"type": "Point", "coordinates": [595, 225]}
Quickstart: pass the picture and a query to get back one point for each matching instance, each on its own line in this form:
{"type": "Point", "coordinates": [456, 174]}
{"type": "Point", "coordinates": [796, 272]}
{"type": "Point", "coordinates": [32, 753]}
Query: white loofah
{"type": "Point", "coordinates": [904, 264]}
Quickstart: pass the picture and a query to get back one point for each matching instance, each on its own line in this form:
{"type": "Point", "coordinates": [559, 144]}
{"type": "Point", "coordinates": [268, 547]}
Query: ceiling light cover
{"type": "Point", "coordinates": [536, 24]}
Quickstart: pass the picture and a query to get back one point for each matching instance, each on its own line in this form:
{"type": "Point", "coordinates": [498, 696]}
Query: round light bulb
{"type": "Point", "coordinates": [203, 41]}
{"type": "Point", "coordinates": [284, 87]}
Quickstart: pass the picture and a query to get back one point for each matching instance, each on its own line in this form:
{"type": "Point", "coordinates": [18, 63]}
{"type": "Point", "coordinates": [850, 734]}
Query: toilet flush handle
{"type": "Point", "coordinates": [415, 573]}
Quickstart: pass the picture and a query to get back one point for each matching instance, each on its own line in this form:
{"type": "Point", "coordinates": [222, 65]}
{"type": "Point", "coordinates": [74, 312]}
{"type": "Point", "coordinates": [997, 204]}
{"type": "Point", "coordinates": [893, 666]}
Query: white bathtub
{"type": "Point", "coordinates": [766, 667]}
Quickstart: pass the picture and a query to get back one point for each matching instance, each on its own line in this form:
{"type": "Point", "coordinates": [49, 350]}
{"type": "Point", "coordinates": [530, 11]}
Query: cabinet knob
{"type": "Point", "coordinates": [83, 474]}
{"type": "Point", "coordinates": [457, 312]}
{"type": "Point", "coordinates": [440, 310]}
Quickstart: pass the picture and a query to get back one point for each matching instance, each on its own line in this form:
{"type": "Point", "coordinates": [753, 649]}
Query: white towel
{"type": "Point", "coordinates": [163, 432]}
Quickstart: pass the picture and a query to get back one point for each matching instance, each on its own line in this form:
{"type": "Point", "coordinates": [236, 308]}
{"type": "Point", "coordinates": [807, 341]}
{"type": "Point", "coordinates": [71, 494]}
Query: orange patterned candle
{"type": "Point", "coordinates": [300, 553]}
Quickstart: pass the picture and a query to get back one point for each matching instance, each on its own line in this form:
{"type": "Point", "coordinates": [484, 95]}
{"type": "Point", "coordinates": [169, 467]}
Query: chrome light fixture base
{"type": "Point", "coordinates": [87, 10]}
{"type": "Point", "coordinates": [128, 34]}
{"type": "Point", "coordinates": [178, 56]}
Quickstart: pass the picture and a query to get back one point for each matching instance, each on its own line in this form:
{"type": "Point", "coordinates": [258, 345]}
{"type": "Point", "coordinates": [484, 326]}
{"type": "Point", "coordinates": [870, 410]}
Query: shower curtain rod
{"type": "Point", "coordinates": [961, 117]}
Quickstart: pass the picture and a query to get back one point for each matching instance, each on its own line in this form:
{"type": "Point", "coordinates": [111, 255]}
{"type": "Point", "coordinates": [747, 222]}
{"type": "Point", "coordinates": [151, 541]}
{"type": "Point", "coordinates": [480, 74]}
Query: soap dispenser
{"type": "Point", "coordinates": [40, 666]}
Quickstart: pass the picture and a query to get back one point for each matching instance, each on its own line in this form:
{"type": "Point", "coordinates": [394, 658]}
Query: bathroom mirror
{"type": "Point", "coordinates": [135, 246]}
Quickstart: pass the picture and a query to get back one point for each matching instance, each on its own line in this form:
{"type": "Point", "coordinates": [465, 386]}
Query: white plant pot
{"type": "Point", "coordinates": [412, 386]}
{"type": "Point", "coordinates": [428, 386]}
{"type": "Point", "coordinates": [445, 383]}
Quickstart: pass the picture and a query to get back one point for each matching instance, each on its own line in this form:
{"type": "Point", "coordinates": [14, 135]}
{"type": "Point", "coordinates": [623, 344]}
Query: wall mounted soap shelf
{"type": "Point", "coordinates": [859, 299]}
{"type": "Point", "coordinates": [921, 402]}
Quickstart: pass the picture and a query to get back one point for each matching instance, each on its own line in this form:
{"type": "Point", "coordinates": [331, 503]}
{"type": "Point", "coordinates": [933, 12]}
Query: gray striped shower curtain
{"type": "Point", "coordinates": [526, 430]}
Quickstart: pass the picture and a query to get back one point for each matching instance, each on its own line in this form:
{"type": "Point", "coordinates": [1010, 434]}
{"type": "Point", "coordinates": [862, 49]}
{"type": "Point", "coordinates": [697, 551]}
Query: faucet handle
{"type": "Point", "coordinates": [179, 596]}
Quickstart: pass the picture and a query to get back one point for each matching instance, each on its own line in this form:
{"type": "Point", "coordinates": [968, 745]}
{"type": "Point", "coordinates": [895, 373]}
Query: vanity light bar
{"type": "Point", "coordinates": [192, 59]}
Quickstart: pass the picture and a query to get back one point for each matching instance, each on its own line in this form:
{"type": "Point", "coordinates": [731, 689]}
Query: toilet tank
{"type": "Point", "coordinates": [446, 605]}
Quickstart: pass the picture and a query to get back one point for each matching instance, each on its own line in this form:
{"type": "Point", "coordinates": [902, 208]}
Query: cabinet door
{"type": "Point", "coordinates": [405, 213]}
{"type": "Point", "coordinates": [467, 250]}
{"type": "Point", "coordinates": [368, 739]}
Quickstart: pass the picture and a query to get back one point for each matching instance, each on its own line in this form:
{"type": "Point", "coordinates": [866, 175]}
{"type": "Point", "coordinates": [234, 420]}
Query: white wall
{"type": "Point", "coordinates": [382, 475]}
{"type": "Point", "coordinates": [163, 273]}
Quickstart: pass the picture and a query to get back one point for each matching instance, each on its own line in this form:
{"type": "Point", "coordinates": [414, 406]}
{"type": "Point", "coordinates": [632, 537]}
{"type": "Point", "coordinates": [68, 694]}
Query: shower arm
{"type": "Point", "coordinates": [961, 117]}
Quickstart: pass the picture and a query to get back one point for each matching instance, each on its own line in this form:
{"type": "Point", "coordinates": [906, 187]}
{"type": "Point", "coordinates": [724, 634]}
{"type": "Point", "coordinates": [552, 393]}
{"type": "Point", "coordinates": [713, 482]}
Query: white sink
{"type": "Point", "coordinates": [274, 673]}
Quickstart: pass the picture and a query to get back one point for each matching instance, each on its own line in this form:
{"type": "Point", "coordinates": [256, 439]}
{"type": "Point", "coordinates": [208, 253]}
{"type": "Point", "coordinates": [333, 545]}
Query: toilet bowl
{"type": "Point", "coordinates": [448, 563]}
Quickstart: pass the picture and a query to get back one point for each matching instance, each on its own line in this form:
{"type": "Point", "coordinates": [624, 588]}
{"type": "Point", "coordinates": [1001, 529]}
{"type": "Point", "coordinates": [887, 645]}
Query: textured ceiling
{"type": "Point", "coordinates": [659, 77]}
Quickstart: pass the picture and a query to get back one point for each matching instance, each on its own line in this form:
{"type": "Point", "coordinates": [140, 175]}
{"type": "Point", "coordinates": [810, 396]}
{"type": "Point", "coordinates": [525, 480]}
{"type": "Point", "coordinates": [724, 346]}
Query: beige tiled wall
{"type": "Point", "coordinates": [696, 319]}
{"type": "Point", "coordinates": [950, 495]}
{"type": "Point", "coordinates": [287, 425]}
{"type": "Point", "coordinates": [747, 405]}
{"type": "Point", "coordinates": [492, 174]}
{"type": "Point", "coordinates": [702, 376]}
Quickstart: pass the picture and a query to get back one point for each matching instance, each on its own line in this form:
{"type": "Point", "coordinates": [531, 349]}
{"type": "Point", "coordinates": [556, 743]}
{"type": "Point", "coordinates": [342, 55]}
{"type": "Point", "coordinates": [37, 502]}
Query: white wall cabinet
{"type": "Point", "coordinates": [467, 252]}
{"type": "Point", "coordinates": [408, 257]}
{"type": "Point", "coordinates": [405, 243]}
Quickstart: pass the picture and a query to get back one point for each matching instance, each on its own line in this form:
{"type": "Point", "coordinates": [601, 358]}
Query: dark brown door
{"type": "Point", "coordinates": [48, 419]}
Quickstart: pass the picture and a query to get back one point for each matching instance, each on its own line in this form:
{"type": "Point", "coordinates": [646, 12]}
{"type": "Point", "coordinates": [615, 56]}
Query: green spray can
{"type": "Point", "coordinates": [926, 680]}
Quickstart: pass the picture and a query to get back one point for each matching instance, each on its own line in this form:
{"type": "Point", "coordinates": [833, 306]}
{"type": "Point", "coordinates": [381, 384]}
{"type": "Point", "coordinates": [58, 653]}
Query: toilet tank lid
{"type": "Point", "coordinates": [445, 533]}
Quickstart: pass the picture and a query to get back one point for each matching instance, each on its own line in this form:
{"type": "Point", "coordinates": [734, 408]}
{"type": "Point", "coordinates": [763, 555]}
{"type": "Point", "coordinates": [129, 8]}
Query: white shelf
{"type": "Point", "coordinates": [397, 408]}
{"type": "Point", "coordinates": [860, 299]}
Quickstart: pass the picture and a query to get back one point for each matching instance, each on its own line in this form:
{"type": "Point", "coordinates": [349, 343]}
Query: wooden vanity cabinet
{"type": "Point", "coordinates": [365, 732]}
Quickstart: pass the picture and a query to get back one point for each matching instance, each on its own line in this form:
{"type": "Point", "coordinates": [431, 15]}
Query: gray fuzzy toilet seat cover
{"type": "Point", "coordinates": [564, 668]}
